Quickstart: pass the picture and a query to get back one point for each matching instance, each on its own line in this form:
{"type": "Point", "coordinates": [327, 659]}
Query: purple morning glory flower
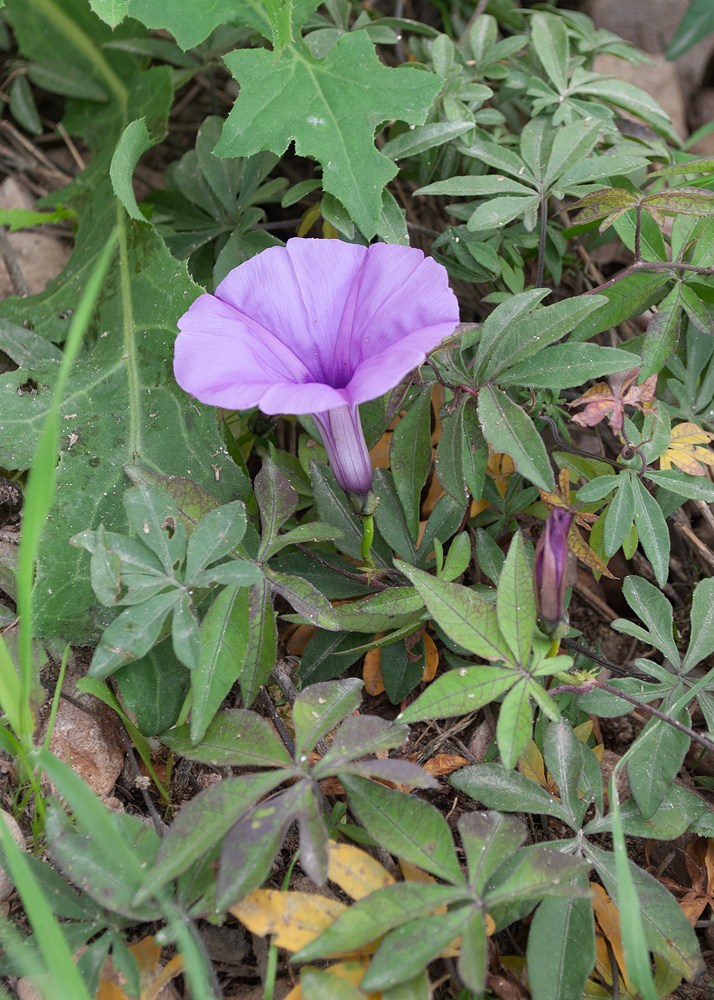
{"type": "Point", "coordinates": [316, 327]}
{"type": "Point", "coordinates": [550, 567]}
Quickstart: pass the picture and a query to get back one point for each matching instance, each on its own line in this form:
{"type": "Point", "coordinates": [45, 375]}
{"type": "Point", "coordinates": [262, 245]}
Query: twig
{"type": "Point", "coordinates": [638, 702]}
{"type": "Point", "coordinates": [74, 152]}
{"type": "Point", "coordinates": [159, 824]}
{"type": "Point", "coordinates": [706, 512]}
{"type": "Point", "coordinates": [285, 736]}
{"type": "Point", "coordinates": [366, 581]}
{"type": "Point", "coordinates": [680, 522]}
{"type": "Point", "coordinates": [13, 268]}
{"type": "Point", "coordinates": [578, 647]}
{"type": "Point", "coordinates": [603, 609]}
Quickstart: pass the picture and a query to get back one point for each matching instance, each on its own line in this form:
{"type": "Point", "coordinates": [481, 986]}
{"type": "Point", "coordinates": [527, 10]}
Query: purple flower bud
{"type": "Point", "coordinates": [550, 569]}
{"type": "Point", "coordinates": [341, 432]}
{"type": "Point", "coordinates": [317, 326]}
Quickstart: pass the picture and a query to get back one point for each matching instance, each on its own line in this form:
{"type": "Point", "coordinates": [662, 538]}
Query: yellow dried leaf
{"type": "Point", "coordinates": [683, 452]}
{"type": "Point", "coordinates": [296, 918]}
{"type": "Point", "coordinates": [583, 731]}
{"type": "Point", "coordinates": [356, 872]}
{"type": "Point", "coordinates": [500, 468]}
{"type": "Point", "coordinates": [599, 750]}
{"type": "Point", "coordinates": [148, 956]}
{"type": "Point", "coordinates": [431, 660]}
{"type": "Point", "coordinates": [444, 763]}
{"type": "Point", "coordinates": [608, 919]}
{"type": "Point", "coordinates": [578, 545]}
{"type": "Point", "coordinates": [531, 765]}
{"type": "Point", "coordinates": [490, 925]}
{"type": "Point", "coordinates": [410, 873]}
{"type": "Point", "coordinates": [372, 670]}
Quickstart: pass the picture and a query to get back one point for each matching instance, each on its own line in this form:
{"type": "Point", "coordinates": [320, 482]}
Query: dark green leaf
{"type": "Point", "coordinates": [652, 531]}
{"type": "Point", "coordinates": [277, 501]}
{"type": "Point", "coordinates": [508, 429]}
{"type": "Point", "coordinates": [262, 642]}
{"type": "Point", "coordinates": [515, 601]}
{"type": "Point", "coordinates": [698, 21]}
{"type": "Point", "coordinates": [372, 917]}
{"type": "Point", "coordinates": [131, 635]}
{"type": "Point", "coordinates": [565, 365]}
{"type": "Point", "coordinates": [690, 487]}
{"type": "Point", "coordinates": [620, 515]}
{"type": "Point", "coordinates": [489, 839]}
{"type": "Point", "coordinates": [154, 689]}
{"type": "Point", "coordinates": [561, 947]}
{"type": "Point", "coordinates": [701, 642]}
{"type": "Point", "coordinates": [410, 449]}
{"type": "Point", "coordinates": [224, 643]}
{"type": "Point", "coordinates": [214, 537]}
{"type": "Point", "coordinates": [655, 761]}
{"type": "Point", "coordinates": [662, 334]}
{"type": "Point", "coordinates": [306, 599]}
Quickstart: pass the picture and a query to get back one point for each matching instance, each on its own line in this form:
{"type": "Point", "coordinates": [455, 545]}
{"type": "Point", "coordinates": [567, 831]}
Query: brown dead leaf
{"type": "Point", "coordinates": [372, 670]}
{"type": "Point", "coordinates": [444, 763]}
{"type": "Point", "coordinates": [299, 639]}
{"type": "Point", "coordinates": [609, 399]}
{"type": "Point", "coordinates": [580, 548]}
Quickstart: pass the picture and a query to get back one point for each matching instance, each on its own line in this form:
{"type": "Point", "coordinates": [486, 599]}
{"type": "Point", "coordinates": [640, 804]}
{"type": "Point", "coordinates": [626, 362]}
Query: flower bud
{"type": "Point", "coordinates": [550, 572]}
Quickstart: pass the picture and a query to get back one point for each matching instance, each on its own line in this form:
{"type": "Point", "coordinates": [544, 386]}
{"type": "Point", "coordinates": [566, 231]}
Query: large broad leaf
{"type": "Point", "coordinates": [330, 108]}
{"type": "Point", "coordinates": [123, 405]}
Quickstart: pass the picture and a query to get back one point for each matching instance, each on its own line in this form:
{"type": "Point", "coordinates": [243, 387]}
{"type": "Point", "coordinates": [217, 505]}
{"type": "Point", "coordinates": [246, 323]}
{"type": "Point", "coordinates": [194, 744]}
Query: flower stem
{"type": "Point", "coordinates": [367, 539]}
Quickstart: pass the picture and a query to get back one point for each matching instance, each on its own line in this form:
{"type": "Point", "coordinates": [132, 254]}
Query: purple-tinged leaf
{"type": "Point", "coordinates": [251, 845]}
{"type": "Point", "coordinates": [262, 642]}
{"type": "Point", "coordinates": [358, 736]}
{"type": "Point", "coordinates": [408, 827]}
{"type": "Point", "coordinates": [320, 707]}
{"type": "Point", "coordinates": [313, 833]}
{"type": "Point", "coordinates": [681, 201]}
{"type": "Point", "coordinates": [407, 950]}
{"type": "Point", "coordinates": [703, 165]}
{"type": "Point", "coordinates": [489, 839]}
{"type": "Point", "coordinates": [235, 738]}
{"type": "Point", "coordinates": [403, 771]}
{"type": "Point", "coordinates": [201, 823]}
{"type": "Point", "coordinates": [459, 692]}
{"type": "Point", "coordinates": [374, 916]}
{"type": "Point", "coordinates": [610, 202]}
{"type": "Point", "coordinates": [306, 599]}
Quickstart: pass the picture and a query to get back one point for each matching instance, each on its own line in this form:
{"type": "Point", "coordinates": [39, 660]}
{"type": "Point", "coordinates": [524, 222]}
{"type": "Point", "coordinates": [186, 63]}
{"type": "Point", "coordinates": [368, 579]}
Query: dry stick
{"type": "Point", "coordinates": [680, 522]}
{"type": "Point", "coordinates": [363, 578]}
{"type": "Point", "coordinates": [706, 511]}
{"type": "Point", "coordinates": [159, 824]}
{"type": "Point", "coordinates": [13, 268]}
{"type": "Point", "coordinates": [587, 688]}
{"type": "Point", "coordinates": [285, 736]}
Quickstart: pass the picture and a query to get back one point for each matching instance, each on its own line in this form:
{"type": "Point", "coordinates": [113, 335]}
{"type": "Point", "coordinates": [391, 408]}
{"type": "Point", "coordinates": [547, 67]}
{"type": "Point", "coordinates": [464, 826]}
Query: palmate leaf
{"type": "Point", "coordinates": [330, 108]}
